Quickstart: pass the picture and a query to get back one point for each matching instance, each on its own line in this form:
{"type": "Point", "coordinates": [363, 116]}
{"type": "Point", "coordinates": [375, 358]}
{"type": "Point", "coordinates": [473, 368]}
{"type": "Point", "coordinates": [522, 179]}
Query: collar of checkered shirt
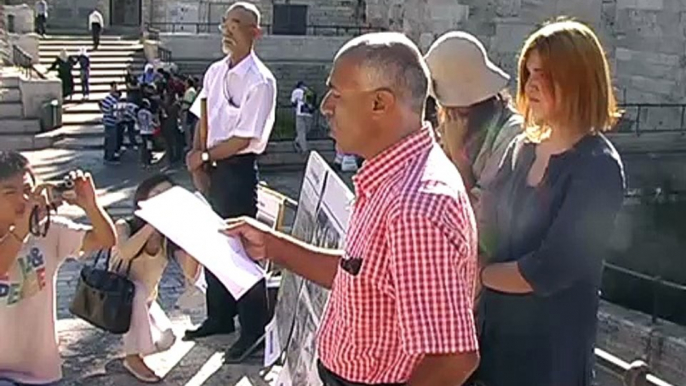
{"type": "Point", "coordinates": [389, 162]}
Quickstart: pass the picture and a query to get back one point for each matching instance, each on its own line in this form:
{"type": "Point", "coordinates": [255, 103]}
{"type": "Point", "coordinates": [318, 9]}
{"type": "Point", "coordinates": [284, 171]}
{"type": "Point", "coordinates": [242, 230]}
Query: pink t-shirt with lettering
{"type": "Point", "coordinates": [28, 340]}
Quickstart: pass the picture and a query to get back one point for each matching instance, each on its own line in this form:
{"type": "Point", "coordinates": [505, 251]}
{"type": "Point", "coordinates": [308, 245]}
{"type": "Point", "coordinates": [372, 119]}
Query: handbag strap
{"type": "Point", "coordinates": [97, 258]}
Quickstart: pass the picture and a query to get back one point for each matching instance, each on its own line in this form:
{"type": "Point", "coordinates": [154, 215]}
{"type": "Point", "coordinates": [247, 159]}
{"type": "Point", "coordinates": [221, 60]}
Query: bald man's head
{"type": "Point", "coordinates": [240, 28]}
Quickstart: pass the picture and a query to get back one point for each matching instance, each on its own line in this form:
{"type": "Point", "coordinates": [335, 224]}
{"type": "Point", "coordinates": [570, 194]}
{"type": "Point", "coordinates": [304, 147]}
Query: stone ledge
{"type": "Point", "coordinates": [24, 142]}
{"type": "Point", "coordinates": [649, 142]}
{"type": "Point", "coordinates": [631, 335]}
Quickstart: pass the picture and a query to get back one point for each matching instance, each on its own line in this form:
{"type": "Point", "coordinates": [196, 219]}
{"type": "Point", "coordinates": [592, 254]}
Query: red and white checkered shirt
{"type": "Point", "coordinates": [413, 228]}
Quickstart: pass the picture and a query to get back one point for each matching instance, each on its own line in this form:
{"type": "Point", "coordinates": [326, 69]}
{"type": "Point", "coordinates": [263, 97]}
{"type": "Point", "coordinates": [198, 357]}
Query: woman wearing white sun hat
{"type": "Point", "coordinates": [476, 121]}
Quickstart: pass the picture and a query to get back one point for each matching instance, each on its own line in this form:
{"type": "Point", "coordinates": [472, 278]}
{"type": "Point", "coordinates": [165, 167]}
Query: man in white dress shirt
{"type": "Point", "coordinates": [96, 23]}
{"type": "Point", "coordinates": [237, 102]}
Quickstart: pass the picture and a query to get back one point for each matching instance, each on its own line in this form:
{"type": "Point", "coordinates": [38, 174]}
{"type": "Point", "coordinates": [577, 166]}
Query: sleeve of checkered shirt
{"type": "Point", "coordinates": [433, 273]}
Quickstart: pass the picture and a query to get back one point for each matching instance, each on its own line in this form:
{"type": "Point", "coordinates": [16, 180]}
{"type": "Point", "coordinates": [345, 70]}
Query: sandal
{"type": "Point", "coordinates": [141, 377]}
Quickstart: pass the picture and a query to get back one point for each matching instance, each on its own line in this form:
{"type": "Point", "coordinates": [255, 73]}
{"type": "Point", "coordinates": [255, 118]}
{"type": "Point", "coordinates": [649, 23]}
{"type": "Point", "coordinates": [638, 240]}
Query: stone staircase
{"type": "Point", "coordinates": [81, 120]}
{"type": "Point", "coordinates": [17, 132]}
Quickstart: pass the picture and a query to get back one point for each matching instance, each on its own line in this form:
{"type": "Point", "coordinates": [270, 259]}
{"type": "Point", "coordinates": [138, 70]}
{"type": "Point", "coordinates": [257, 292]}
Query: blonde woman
{"type": "Point", "coordinates": [476, 121]}
{"type": "Point", "coordinates": [550, 212]}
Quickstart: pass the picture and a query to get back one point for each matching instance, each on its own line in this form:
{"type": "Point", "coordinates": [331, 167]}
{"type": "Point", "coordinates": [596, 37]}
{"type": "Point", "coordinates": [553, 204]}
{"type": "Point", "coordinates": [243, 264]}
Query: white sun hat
{"type": "Point", "coordinates": [461, 73]}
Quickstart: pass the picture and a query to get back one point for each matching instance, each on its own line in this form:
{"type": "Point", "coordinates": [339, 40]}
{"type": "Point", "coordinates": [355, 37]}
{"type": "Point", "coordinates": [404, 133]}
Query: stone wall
{"type": "Point", "coordinates": [4, 44]}
{"type": "Point", "coordinates": [645, 39]}
{"type": "Point", "coordinates": [22, 19]}
{"type": "Point", "coordinates": [290, 58]}
{"type": "Point", "coordinates": [320, 12]}
{"type": "Point", "coordinates": [73, 14]}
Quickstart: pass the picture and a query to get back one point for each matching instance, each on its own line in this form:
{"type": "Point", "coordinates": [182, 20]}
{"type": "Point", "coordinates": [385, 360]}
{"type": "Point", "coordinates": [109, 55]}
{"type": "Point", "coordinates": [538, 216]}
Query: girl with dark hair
{"type": "Point", "coordinates": [147, 251]}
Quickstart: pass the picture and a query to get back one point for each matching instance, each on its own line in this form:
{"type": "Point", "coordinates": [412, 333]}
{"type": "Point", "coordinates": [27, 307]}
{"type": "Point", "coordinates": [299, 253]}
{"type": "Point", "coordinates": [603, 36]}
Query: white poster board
{"type": "Point", "coordinates": [322, 220]}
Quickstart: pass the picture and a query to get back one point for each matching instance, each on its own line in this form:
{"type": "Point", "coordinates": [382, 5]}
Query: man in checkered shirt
{"type": "Point", "coordinates": [400, 310]}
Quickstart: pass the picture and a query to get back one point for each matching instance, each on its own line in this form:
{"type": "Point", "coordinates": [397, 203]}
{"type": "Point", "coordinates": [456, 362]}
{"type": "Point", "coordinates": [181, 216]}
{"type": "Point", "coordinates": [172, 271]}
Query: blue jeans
{"type": "Point", "coordinates": [111, 134]}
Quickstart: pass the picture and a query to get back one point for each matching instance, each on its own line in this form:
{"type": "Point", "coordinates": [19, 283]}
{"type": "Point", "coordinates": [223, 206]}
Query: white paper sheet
{"type": "Point", "coordinates": [284, 378]}
{"type": "Point", "coordinates": [192, 225]}
{"type": "Point", "coordinates": [272, 346]}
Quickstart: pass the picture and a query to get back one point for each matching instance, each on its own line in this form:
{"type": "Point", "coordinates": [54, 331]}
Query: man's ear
{"type": "Point", "coordinates": [258, 32]}
{"type": "Point", "coordinates": [384, 101]}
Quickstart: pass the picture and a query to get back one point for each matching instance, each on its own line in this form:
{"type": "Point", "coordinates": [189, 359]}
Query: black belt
{"type": "Point", "coordinates": [331, 379]}
{"type": "Point", "coordinates": [239, 159]}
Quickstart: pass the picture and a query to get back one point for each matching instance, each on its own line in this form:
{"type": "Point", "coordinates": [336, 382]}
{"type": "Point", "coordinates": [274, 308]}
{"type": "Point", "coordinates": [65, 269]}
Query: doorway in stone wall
{"type": "Point", "coordinates": [125, 12]}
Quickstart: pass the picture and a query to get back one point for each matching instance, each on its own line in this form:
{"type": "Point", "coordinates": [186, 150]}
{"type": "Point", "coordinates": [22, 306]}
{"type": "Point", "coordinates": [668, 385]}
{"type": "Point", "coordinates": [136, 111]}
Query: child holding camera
{"type": "Point", "coordinates": [32, 247]}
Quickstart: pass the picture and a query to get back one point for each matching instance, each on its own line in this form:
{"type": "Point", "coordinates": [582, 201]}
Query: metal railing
{"type": "Point", "coordinates": [23, 60]}
{"type": "Point", "coordinates": [164, 54]}
{"type": "Point", "coordinates": [638, 115]}
{"type": "Point", "coordinates": [657, 283]}
{"type": "Point", "coordinates": [311, 29]}
{"type": "Point", "coordinates": [636, 373]}
{"type": "Point", "coordinates": [655, 199]}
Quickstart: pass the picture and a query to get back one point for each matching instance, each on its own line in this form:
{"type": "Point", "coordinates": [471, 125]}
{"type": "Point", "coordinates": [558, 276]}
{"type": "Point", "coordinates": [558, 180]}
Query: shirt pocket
{"type": "Point", "coordinates": [231, 115]}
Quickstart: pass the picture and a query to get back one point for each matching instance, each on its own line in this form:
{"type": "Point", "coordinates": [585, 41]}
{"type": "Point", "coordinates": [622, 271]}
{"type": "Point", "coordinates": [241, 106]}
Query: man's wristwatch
{"type": "Point", "coordinates": [205, 157]}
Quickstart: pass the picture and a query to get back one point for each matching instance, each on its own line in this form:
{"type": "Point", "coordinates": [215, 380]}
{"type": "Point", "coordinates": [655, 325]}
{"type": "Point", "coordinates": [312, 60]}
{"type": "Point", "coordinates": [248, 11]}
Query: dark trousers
{"type": "Point", "coordinates": [331, 379]}
{"type": "Point", "coordinates": [128, 127]}
{"type": "Point", "coordinates": [233, 193]}
{"type": "Point", "coordinates": [173, 139]}
{"type": "Point", "coordinates": [96, 30]}
{"type": "Point", "coordinates": [111, 145]}
{"type": "Point", "coordinates": [41, 20]}
{"type": "Point", "coordinates": [146, 148]}
{"type": "Point", "coordinates": [85, 82]}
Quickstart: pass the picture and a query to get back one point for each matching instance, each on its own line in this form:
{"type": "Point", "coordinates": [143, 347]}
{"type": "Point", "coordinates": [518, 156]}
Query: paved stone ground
{"type": "Point", "coordinates": [93, 357]}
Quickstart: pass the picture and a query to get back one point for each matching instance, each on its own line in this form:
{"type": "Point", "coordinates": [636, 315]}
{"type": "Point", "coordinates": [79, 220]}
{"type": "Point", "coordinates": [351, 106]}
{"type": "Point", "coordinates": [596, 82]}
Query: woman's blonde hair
{"type": "Point", "coordinates": [575, 62]}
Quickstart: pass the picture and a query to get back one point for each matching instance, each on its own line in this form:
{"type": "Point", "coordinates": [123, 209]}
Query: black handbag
{"type": "Point", "coordinates": [104, 298]}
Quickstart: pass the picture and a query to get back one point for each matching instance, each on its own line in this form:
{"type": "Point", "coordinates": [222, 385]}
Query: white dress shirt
{"type": "Point", "coordinates": [95, 17]}
{"type": "Point", "coordinates": [298, 97]}
{"type": "Point", "coordinates": [241, 102]}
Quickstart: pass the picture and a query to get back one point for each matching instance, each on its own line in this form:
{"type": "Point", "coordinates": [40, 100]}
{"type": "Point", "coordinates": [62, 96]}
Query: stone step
{"type": "Point", "coordinates": [47, 61]}
{"type": "Point", "coordinates": [79, 119]}
{"type": "Point", "coordinates": [94, 78]}
{"type": "Point", "coordinates": [19, 126]}
{"type": "Point", "coordinates": [84, 37]}
{"type": "Point", "coordinates": [78, 131]}
{"type": "Point", "coordinates": [55, 53]}
{"type": "Point", "coordinates": [84, 107]}
{"type": "Point", "coordinates": [10, 95]}
{"type": "Point", "coordinates": [9, 81]}
{"type": "Point", "coordinates": [11, 110]}
{"type": "Point", "coordinates": [134, 65]}
{"type": "Point", "coordinates": [88, 43]}
{"type": "Point", "coordinates": [101, 80]}
{"type": "Point", "coordinates": [79, 143]}
{"type": "Point", "coordinates": [73, 49]}
{"type": "Point", "coordinates": [24, 141]}
{"type": "Point", "coordinates": [98, 73]}
{"type": "Point", "coordinates": [95, 96]}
